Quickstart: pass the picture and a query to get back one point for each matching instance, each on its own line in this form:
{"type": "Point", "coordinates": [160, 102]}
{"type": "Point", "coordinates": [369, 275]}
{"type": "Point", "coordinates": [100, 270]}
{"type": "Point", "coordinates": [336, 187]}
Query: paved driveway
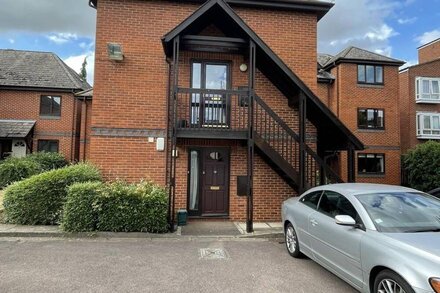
{"type": "Point", "coordinates": [162, 265]}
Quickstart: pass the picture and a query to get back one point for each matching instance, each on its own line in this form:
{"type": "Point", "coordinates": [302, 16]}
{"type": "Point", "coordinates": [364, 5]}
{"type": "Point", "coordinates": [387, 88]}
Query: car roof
{"type": "Point", "coordinates": [362, 188]}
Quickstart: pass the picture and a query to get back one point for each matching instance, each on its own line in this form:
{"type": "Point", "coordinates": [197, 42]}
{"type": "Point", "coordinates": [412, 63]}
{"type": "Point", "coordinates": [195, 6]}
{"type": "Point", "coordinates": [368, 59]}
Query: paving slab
{"type": "Point", "coordinates": [209, 228]}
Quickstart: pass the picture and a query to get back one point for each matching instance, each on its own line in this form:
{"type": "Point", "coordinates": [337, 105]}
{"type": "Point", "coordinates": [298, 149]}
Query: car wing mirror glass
{"type": "Point", "coordinates": [345, 220]}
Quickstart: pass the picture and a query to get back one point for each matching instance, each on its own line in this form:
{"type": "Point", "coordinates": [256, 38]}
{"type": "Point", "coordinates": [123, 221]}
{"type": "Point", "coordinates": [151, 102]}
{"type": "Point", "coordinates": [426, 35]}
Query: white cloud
{"type": "Point", "coordinates": [387, 51]}
{"type": "Point", "coordinates": [407, 20]}
{"type": "Point", "coordinates": [408, 64]}
{"type": "Point", "coordinates": [62, 38]}
{"type": "Point", "coordinates": [11, 41]}
{"type": "Point", "coordinates": [428, 37]}
{"type": "Point", "coordinates": [75, 62]}
{"type": "Point", "coordinates": [360, 23]}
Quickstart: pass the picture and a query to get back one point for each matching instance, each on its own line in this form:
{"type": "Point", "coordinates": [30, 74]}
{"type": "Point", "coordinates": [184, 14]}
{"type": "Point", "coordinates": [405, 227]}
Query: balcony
{"type": "Point", "coordinates": [207, 113]}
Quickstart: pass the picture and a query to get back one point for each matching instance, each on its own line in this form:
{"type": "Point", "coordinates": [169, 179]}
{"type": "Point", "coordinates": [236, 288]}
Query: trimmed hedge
{"type": "Point", "coordinates": [422, 166]}
{"type": "Point", "coordinates": [78, 212]}
{"type": "Point", "coordinates": [116, 207]}
{"type": "Point", "coordinates": [16, 169]}
{"type": "Point", "coordinates": [40, 198]}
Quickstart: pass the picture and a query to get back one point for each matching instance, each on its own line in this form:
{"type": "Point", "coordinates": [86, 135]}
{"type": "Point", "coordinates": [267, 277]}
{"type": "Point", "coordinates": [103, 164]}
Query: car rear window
{"type": "Point", "coordinates": [311, 199]}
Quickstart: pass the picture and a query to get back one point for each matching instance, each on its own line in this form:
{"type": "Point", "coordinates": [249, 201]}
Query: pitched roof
{"type": "Point", "coordinates": [323, 59]}
{"type": "Point", "coordinates": [37, 70]}
{"type": "Point", "coordinates": [354, 54]}
{"type": "Point", "coordinates": [85, 94]}
{"type": "Point", "coordinates": [274, 68]}
{"type": "Point", "coordinates": [16, 128]}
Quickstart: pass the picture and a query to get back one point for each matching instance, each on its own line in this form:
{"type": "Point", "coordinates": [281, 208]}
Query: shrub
{"type": "Point", "coordinates": [422, 166]}
{"type": "Point", "coordinates": [48, 161]}
{"type": "Point", "coordinates": [79, 213]}
{"type": "Point", "coordinates": [16, 169]}
{"type": "Point", "coordinates": [40, 198]}
{"type": "Point", "coordinates": [116, 207]}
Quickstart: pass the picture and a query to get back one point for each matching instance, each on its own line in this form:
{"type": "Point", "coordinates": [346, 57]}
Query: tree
{"type": "Point", "coordinates": [83, 72]}
{"type": "Point", "coordinates": [422, 165]}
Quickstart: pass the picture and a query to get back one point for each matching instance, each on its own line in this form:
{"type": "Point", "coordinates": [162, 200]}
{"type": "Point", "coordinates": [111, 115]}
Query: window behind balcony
{"type": "Point", "coordinates": [50, 106]}
{"type": "Point", "coordinates": [371, 119]}
{"type": "Point", "coordinates": [428, 125]}
{"type": "Point", "coordinates": [371, 164]}
{"type": "Point", "coordinates": [427, 90]}
{"type": "Point", "coordinates": [370, 74]}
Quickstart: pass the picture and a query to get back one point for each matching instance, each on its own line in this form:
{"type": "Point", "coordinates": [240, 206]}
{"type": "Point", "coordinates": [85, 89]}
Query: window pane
{"type": "Point", "coordinates": [53, 146]}
{"type": "Point", "coordinates": [194, 181]}
{"type": "Point", "coordinates": [329, 203]}
{"type": "Point", "coordinates": [435, 122]}
{"type": "Point", "coordinates": [425, 87]}
{"type": "Point", "coordinates": [312, 199]}
{"type": "Point", "coordinates": [379, 74]}
{"type": "Point", "coordinates": [427, 122]}
{"type": "Point", "coordinates": [435, 87]}
{"type": "Point", "coordinates": [361, 73]}
{"type": "Point", "coordinates": [370, 73]}
{"type": "Point", "coordinates": [418, 87]}
{"type": "Point", "coordinates": [196, 75]}
{"type": "Point", "coordinates": [371, 163]}
{"type": "Point", "coordinates": [370, 118]}
{"type": "Point", "coordinates": [362, 118]}
{"type": "Point", "coordinates": [48, 146]}
{"type": "Point", "coordinates": [216, 76]}
{"type": "Point", "coordinates": [56, 106]}
{"type": "Point", "coordinates": [45, 105]}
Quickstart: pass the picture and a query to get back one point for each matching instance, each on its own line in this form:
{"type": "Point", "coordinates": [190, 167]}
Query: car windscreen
{"type": "Point", "coordinates": [402, 211]}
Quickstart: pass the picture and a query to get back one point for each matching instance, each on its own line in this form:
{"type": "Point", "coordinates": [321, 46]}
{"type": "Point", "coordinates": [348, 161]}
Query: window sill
{"type": "Point", "coordinates": [428, 136]}
{"type": "Point", "coordinates": [50, 117]}
{"type": "Point", "coordinates": [371, 130]}
{"type": "Point", "coordinates": [420, 101]}
{"type": "Point", "coordinates": [366, 85]}
{"type": "Point", "coordinates": [364, 175]}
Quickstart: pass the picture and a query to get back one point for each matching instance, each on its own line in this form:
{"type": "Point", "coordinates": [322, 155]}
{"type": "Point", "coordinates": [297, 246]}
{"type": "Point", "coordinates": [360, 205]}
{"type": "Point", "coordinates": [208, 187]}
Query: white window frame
{"type": "Point", "coordinates": [422, 132]}
{"type": "Point", "coordinates": [434, 97]}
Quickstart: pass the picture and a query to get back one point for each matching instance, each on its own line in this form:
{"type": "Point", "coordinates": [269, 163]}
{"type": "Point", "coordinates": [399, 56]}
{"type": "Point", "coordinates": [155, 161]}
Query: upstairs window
{"type": "Point", "coordinates": [370, 74]}
{"type": "Point", "coordinates": [428, 125]}
{"type": "Point", "coordinates": [50, 106]}
{"type": "Point", "coordinates": [371, 164]}
{"type": "Point", "coordinates": [427, 90]}
{"type": "Point", "coordinates": [371, 119]}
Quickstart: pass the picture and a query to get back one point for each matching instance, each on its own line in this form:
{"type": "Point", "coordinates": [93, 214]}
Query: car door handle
{"type": "Point", "coordinates": [313, 222]}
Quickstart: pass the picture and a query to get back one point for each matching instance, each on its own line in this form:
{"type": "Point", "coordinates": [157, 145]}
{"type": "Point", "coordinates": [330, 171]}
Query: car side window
{"type": "Point", "coordinates": [311, 199]}
{"type": "Point", "coordinates": [333, 204]}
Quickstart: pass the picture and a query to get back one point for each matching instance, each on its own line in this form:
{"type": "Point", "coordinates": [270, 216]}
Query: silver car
{"type": "Point", "coordinates": [377, 238]}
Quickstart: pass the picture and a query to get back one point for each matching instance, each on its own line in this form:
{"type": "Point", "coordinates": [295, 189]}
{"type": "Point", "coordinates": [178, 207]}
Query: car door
{"type": "Point", "coordinates": [335, 246]}
{"type": "Point", "coordinates": [306, 206]}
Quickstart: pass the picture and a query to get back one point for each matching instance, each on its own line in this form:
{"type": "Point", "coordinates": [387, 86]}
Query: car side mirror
{"type": "Point", "coordinates": [345, 220]}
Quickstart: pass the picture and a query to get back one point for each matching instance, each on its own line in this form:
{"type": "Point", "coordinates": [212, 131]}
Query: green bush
{"type": "Point", "coordinates": [16, 169]}
{"type": "Point", "coordinates": [79, 213]}
{"type": "Point", "coordinates": [48, 161]}
{"type": "Point", "coordinates": [116, 207]}
{"type": "Point", "coordinates": [422, 166]}
{"type": "Point", "coordinates": [40, 198]}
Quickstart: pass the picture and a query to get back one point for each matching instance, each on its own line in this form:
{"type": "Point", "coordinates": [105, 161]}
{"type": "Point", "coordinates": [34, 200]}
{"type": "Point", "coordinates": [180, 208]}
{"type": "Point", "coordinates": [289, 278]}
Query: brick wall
{"type": "Point", "coordinates": [26, 105]}
{"type": "Point", "coordinates": [429, 52]}
{"type": "Point", "coordinates": [345, 96]}
{"type": "Point", "coordinates": [408, 106]}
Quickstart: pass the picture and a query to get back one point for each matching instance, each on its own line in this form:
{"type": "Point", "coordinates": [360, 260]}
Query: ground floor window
{"type": "Point", "coordinates": [371, 163]}
{"type": "Point", "coordinates": [51, 146]}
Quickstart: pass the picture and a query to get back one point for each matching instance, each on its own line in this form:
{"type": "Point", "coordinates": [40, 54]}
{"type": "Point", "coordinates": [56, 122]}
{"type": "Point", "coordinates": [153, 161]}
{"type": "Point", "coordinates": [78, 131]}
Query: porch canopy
{"type": "Point", "coordinates": [332, 133]}
{"type": "Point", "coordinates": [16, 128]}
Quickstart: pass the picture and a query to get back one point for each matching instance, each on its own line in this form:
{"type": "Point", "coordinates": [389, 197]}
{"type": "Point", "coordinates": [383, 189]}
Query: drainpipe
{"type": "Point", "coordinates": [73, 127]}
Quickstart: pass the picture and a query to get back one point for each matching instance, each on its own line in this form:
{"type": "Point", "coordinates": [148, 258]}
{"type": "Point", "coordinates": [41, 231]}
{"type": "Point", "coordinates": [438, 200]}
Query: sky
{"type": "Point", "coordinates": [67, 27]}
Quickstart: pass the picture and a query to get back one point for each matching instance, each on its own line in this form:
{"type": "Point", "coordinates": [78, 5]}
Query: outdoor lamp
{"type": "Point", "coordinates": [115, 52]}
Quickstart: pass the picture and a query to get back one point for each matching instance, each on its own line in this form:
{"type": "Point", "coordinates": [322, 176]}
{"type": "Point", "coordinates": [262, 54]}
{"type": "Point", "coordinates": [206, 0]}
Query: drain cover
{"type": "Point", "coordinates": [213, 253]}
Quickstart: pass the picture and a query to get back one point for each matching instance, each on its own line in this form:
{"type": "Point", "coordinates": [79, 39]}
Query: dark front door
{"type": "Point", "coordinates": [209, 178]}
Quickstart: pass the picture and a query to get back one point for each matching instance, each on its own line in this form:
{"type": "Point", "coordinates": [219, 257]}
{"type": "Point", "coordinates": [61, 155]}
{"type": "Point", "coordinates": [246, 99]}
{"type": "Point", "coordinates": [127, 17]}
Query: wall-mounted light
{"type": "Point", "coordinates": [115, 51]}
{"type": "Point", "coordinates": [243, 67]}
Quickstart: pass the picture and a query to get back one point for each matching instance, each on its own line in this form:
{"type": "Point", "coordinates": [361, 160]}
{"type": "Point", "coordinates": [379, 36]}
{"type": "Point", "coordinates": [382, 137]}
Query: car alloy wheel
{"type": "Point", "coordinates": [389, 286]}
{"type": "Point", "coordinates": [292, 244]}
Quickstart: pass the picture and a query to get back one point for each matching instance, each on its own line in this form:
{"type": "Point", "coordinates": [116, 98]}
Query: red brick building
{"type": "Point", "coordinates": [216, 100]}
{"type": "Point", "coordinates": [362, 89]}
{"type": "Point", "coordinates": [38, 109]}
{"type": "Point", "coordinates": [420, 98]}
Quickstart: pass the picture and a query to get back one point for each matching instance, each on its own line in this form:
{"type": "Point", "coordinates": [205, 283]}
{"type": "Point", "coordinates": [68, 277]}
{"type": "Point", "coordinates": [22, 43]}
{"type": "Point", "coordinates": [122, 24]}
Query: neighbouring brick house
{"type": "Point", "coordinates": [38, 109]}
{"type": "Point", "coordinates": [362, 89]}
{"type": "Point", "coordinates": [420, 98]}
{"type": "Point", "coordinates": [217, 101]}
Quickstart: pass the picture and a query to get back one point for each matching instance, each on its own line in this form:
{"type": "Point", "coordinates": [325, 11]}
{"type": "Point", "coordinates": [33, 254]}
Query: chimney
{"type": "Point", "coordinates": [429, 51]}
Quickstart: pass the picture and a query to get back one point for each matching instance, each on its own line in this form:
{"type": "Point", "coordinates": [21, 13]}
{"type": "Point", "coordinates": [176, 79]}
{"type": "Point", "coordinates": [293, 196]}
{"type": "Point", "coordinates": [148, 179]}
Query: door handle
{"type": "Point", "coordinates": [313, 222]}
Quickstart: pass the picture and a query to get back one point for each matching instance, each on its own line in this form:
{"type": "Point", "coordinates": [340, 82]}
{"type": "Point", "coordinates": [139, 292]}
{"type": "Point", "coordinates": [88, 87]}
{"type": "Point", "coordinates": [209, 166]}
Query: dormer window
{"type": "Point", "coordinates": [370, 74]}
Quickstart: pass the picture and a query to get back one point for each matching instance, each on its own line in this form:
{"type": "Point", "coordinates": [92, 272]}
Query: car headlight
{"type": "Point", "coordinates": [435, 284]}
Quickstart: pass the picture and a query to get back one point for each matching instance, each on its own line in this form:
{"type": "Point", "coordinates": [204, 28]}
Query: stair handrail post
{"type": "Point", "coordinates": [302, 141]}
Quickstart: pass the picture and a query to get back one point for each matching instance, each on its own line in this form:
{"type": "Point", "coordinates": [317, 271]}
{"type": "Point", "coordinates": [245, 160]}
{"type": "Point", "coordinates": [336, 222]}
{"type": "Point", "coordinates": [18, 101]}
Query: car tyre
{"type": "Point", "coordinates": [389, 281]}
{"type": "Point", "coordinates": [291, 240]}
